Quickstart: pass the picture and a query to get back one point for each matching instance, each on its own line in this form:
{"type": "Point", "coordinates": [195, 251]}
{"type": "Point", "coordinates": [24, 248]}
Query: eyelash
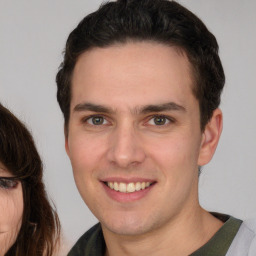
{"type": "Point", "coordinates": [152, 117]}
{"type": "Point", "coordinates": [167, 118]}
{"type": "Point", "coordinates": [8, 183]}
{"type": "Point", "coordinates": [86, 119]}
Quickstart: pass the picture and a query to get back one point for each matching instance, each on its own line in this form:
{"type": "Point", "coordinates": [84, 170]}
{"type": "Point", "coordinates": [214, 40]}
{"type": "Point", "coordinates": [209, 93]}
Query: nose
{"type": "Point", "coordinates": [125, 148]}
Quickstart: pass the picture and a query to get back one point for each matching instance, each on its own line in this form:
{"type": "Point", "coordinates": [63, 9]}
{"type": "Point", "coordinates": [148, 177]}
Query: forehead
{"type": "Point", "coordinates": [134, 71]}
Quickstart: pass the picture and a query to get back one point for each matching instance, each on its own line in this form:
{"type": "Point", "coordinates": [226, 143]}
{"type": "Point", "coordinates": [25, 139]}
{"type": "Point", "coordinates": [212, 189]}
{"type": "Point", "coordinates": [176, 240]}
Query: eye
{"type": "Point", "coordinates": [159, 120]}
{"type": "Point", "coordinates": [96, 120]}
{"type": "Point", "coordinates": [8, 183]}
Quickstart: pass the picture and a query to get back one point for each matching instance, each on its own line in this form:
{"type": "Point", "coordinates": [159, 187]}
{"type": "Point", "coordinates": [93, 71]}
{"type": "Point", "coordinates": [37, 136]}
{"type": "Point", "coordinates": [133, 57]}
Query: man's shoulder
{"type": "Point", "coordinates": [220, 243]}
{"type": "Point", "coordinates": [91, 243]}
{"type": "Point", "coordinates": [244, 242]}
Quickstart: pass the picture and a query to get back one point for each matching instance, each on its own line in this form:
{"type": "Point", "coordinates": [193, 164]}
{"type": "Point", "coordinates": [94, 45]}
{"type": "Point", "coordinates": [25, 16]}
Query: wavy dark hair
{"type": "Point", "coordinates": [161, 21]}
{"type": "Point", "coordinates": [40, 229]}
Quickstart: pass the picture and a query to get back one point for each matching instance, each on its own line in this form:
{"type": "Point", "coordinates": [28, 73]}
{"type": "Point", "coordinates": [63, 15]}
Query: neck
{"type": "Point", "coordinates": [182, 236]}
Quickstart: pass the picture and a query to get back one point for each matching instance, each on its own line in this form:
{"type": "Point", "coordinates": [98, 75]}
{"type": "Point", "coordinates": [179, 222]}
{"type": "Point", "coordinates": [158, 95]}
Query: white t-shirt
{"type": "Point", "coordinates": [244, 243]}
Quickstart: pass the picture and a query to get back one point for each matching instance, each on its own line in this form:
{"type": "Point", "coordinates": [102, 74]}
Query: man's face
{"type": "Point", "coordinates": [135, 126]}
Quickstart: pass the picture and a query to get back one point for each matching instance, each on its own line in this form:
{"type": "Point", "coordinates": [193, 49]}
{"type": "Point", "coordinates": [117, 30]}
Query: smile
{"type": "Point", "coordinates": [128, 190]}
{"type": "Point", "coordinates": [128, 187]}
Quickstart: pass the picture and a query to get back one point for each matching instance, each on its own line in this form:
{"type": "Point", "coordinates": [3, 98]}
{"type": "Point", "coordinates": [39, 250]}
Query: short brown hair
{"type": "Point", "coordinates": [161, 21]}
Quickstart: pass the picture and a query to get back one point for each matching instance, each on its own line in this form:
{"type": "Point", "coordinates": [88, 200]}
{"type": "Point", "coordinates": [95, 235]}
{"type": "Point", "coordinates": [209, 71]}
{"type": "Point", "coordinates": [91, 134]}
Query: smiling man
{"type": "Point", "coordinates": [139, 88]}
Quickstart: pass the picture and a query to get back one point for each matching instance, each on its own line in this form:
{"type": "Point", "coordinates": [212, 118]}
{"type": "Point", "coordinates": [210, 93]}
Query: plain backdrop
{"type": "Point", "coordinates": [32, 38]}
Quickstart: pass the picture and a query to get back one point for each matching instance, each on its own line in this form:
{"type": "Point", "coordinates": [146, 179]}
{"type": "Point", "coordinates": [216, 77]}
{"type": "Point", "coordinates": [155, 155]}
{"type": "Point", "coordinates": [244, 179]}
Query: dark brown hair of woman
{"type": "Point", "coordinates": [40, 229]}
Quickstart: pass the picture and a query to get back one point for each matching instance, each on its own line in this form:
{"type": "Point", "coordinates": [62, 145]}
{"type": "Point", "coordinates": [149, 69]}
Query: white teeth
{"type": "Point", "coordinates": [128, 188]}
{"type": "Point", "coordinates": [111, 185]}
{"type": "Point", "coordinates": [122, 187]}
{"type": "Point", "coordinates": [116, 186]}
{"type": "Point", "coordinates": [138, 186]}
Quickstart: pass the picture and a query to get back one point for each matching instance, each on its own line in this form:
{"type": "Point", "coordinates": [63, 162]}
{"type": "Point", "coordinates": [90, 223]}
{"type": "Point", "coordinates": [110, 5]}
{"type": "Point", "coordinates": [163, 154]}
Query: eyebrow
{"type": "Point", "coordinates": [92, 107]}
{"type": "Point", "coordinates": [170, 106]}
{"type": "Point", "coordinates": [162, 107]}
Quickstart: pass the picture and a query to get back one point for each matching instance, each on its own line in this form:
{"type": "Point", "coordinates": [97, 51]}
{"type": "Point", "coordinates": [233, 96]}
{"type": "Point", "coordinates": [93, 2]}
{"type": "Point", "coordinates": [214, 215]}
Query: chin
{"type": "Point", "coordinates": [126, 230]}
{"type": "Point", "coordinates": [127, 226]}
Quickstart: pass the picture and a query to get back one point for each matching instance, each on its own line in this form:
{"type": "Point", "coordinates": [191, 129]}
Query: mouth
{"type": "Point", "coordinates": [130, 187]}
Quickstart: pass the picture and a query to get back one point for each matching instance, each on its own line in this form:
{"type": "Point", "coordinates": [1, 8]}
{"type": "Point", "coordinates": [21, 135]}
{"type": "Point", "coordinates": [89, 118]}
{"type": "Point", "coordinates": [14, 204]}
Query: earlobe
{"type": "Point", "coordinates": [210, 137]}
{"type": "Point", "coordinates": [66, 146]}
{"type": "Point", "coordinates": [66, 141]}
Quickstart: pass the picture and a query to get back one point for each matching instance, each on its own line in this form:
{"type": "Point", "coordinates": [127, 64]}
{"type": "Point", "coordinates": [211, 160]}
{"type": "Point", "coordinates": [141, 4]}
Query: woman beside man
{"type": "Point", "coordinates": [29, 226]}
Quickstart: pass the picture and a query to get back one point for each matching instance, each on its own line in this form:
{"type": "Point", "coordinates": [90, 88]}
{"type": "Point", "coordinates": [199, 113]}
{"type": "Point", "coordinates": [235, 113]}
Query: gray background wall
{"type": "Point", "coordinates": [32, 37]}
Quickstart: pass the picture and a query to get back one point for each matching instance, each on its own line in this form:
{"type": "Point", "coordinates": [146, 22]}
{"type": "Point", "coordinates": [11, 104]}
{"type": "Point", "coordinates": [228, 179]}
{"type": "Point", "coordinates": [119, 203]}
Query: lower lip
{"type": "Point", "coordinates": [127, 197]}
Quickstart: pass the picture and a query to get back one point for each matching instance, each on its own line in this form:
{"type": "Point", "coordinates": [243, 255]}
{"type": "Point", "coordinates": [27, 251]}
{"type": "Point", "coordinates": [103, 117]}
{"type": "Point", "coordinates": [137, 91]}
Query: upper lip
{"type": "Point", "coordinates": [127, 180]}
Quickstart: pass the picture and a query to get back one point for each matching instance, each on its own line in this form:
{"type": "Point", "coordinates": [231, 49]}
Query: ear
{"type": "Point", "coordinates": [210, 137]}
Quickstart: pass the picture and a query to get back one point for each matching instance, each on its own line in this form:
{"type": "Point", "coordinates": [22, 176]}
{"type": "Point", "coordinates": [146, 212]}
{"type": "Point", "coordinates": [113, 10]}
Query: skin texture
{"type": "Point", "coordinates": [132, 83]}
{"type": "Point", "coordinates": [11, 210]}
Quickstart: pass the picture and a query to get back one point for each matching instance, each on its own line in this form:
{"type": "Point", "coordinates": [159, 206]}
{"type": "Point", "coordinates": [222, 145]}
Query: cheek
{"type": "Point", "coordinates": [174, 151]}
{"type": "Point", "coordinates": [11, 211]}
{"type": "Point", "coordinates": [11, 204]}
{"type": "Point", "coordinates": [85, 151]}
{"type": "Point", "coordinates": [85, 154]}
{"type": "Point", "coordinates": [176, 158]}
